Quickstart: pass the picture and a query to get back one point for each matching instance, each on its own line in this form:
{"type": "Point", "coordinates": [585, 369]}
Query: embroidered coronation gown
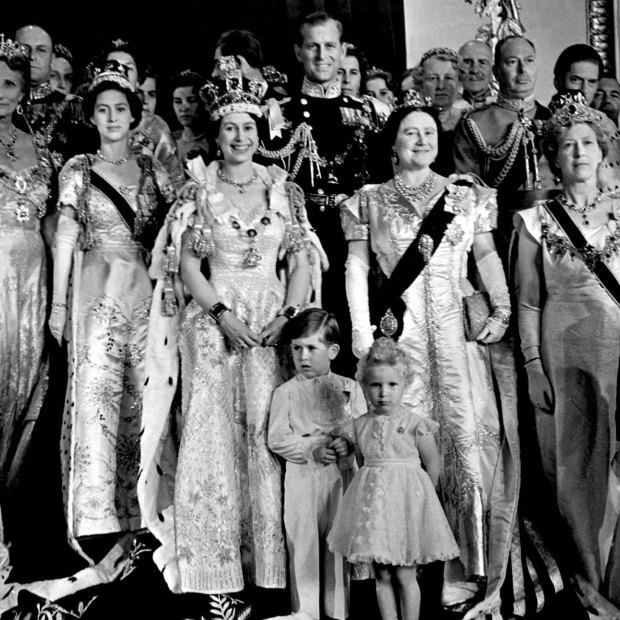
{"type": "Point", "coordinates": [222, 529]}
{"type": "Point", "coordinates": [23, 299]}
{"type": "Point", "coordinates": [108, 319]}
{"type": "Point", "coordinates": [452, 384]}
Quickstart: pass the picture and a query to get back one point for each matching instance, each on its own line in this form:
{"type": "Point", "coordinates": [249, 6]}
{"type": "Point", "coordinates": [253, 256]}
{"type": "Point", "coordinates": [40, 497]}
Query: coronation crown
{"type": "Point", "coordinates": [12, 49]}
{"type": "Point", "coordinates": [112, 71]}
{"type": "Point", "coordinates": [232, 92]}
{"type": "Point", "coordinates": [572, 108]}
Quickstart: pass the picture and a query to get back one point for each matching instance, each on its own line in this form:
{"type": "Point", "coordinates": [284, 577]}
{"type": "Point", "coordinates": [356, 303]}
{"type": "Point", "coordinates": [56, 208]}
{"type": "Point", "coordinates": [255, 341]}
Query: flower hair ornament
{"type": "Point", "coordinates": [10, 49]}
{"type": "Point", "coordinates": [571, 108]}
{"type": "Point", "coordinates": [112, 71]}
{"type": "Point", "coordinates": [231, 93]}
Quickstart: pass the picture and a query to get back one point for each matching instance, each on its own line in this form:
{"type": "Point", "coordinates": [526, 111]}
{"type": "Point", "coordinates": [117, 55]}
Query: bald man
{"type": "Point", "coordinates": [477, 73]}
{"type": "Point", "coordinates": [55, 118]}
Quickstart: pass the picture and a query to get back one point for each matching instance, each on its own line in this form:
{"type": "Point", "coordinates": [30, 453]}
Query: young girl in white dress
{"type": "Point", "coordinates": [390, 514]}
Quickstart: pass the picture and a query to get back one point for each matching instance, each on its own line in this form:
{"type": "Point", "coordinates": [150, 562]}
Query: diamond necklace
{"type": "Point", "coordinates": [10, 145]}
{"type": "Point", "coordinates": [114, 162]}
{"type": "Point", "coordinates": [242, 186]}
{"type": "Point", "coordinates": [418, 192]}
{"type": "Point", "coordinates": [583, 211]}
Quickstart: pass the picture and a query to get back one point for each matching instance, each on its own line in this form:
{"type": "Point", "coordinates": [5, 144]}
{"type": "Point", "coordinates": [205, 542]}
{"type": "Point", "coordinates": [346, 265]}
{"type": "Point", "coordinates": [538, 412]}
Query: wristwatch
{"type": "Point", "coordinates": [289, 312]}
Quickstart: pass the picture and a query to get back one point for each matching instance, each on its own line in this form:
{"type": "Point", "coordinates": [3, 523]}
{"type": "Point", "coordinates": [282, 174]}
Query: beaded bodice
{"type": "Point", "coordinates": [23, 196]}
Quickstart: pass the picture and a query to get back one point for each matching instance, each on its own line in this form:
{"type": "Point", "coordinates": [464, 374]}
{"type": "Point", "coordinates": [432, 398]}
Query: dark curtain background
{"type": "Point", "coordinates": [183, 33]}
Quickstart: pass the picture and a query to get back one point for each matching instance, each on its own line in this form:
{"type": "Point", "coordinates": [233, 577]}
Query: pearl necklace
{"type": "Point", "coordinates": [242, 186]}
{"type": "Point", "coordinates": [10, 145]}
{"type": "Point", "coordinates": [114, 162]}
{"type": "Point", "coordinates": [583, 211]}
{"type": "Point", "coordinates": [418, 192]}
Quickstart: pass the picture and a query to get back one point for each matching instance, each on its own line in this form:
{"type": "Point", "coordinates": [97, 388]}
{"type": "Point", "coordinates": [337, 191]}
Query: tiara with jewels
{"type": "Point", "coordinates": [12, 49]}
{"type": "Point", "coordinates": [440, 51]}
{"type": "Point", "coordinates": [572, 108]}
{"type": "Point", "coordinates": [231, 93]}
{"type": "Point", "coordinates": [413, 99]}
{"type": "Point", "coordinates": [112, 71]}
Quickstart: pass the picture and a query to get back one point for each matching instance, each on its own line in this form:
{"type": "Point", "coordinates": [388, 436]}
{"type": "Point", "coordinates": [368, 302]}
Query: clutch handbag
{"type": "Point", "coordinates": [476, 311]}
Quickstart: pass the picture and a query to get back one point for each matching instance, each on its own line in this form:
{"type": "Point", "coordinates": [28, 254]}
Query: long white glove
{"type": "Point", "coordinates": [66, 239]}
{"type": "Point", "coordinates": [493, 281]}
{"type": "Point", "coordinates": [356, 270]}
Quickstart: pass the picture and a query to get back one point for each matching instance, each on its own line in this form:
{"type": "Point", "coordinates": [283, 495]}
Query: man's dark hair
{"type": "Point", "coordinates": [580, 52]}
{"type": "Point", "coordinates": [241, 43]}
{"type": "Point", "coordinates": [314, 19]}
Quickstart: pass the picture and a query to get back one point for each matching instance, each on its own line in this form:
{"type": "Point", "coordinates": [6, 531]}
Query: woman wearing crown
{"type": "Point", "coordinates": [416, 230]}
{"type": "Point", "coordinates": [238, 242]}
{"type": "Point", "coordinates": [111, 205]}
{"type": "Point", "coordinates": [25, 174]}
{"type": "Point", "coordinates": [568, 290]}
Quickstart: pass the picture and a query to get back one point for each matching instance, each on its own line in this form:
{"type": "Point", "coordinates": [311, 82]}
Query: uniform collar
{"type": "Point", "coordinates": [41, 92]}
{"type": "Point", "coordinates": [312, 89]}
{"type": "Point", "coordinates": [527, 104]}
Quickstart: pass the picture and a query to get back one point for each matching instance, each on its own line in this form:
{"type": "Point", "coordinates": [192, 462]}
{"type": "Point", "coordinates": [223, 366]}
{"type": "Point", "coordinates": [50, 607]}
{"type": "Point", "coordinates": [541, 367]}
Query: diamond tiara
{"type": "Point", "coordinates": [12, 49]}
{"type": "Point", "coordinates": [572, 108]}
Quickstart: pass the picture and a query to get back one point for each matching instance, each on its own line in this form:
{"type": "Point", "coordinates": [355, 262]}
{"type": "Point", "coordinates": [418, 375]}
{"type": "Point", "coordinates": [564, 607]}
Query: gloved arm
{"type": "Point", "coordinates": [356, 270]}
{"type": "Point", "coordinates": [66, 240]}
{"type": "Point", "coordinates": [493, 281]}
{"type": "Point", "coordinates": [529, 287]}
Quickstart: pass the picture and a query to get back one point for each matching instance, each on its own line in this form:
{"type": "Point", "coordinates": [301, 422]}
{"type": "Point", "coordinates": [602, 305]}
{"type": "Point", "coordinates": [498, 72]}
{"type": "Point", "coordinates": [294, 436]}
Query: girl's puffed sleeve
{"type": "Point", "coordinates": [71, 183]}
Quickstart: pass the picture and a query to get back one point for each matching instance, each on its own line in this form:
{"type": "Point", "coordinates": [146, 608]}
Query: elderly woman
{"type": "Point", "coordinates": [420, 227]}
{"type": "Point", "coordinates": [244, 224]}
{"type": "Point", "coordinates": [111, 204]}
{"type": "Point", "coordinates": [25, 173]}
{"type": "Point", "coordinates": [568, 267]}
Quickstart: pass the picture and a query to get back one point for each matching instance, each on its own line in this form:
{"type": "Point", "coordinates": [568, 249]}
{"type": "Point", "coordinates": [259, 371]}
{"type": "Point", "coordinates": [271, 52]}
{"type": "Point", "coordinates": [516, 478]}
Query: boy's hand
{"type": "Point", "coordinates": [340, 446]}
{"type": "Point", "coordinates": [324, 455]}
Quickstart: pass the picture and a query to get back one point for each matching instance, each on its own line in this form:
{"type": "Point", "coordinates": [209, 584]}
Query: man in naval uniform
{"type": "Point", "coordinates": [55, 119]}
{"type": "Point", "coordinates": [501, 143]}
{"type": "Point", "coordinates": [326, 150]}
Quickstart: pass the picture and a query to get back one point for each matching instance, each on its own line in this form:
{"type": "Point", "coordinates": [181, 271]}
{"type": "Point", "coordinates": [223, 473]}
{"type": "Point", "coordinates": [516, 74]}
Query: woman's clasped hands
{"type": "Point", "coordinates": [240, 334]}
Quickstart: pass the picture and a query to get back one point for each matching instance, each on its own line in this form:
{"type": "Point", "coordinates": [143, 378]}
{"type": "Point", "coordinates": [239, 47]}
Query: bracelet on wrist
{"type": "Point", "coordinates": [501, 314]}
{"type": "Point", "coordinates": [58, 305]}
{"type": "Point", "coordinates": [289, 312]}
{"type": "Point", "coordinates": [217, 310]}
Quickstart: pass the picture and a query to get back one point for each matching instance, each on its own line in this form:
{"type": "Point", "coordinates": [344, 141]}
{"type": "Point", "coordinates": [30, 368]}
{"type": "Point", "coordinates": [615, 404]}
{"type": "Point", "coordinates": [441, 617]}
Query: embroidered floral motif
{"type": "Point", "coordinates": [22, 214]}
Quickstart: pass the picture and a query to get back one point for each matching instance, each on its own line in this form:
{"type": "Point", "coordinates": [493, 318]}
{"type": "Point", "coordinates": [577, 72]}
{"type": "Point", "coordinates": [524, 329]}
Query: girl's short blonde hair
{"type": "Point", "coordinates": [386, 352]}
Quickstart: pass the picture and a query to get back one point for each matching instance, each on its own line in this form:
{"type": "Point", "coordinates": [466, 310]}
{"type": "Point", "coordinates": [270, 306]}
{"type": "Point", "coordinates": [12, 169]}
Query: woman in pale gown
{"type": "Point", "coordinates": [453, 383]}
{"type": "Point", "coordinates": [111, 205]}
{"type": "Point", "coordinates": [569, 326]}
{"type": "Point", "coordinates": [25, 174]}
{"type": "Point", "coordinates": [221, 528]}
